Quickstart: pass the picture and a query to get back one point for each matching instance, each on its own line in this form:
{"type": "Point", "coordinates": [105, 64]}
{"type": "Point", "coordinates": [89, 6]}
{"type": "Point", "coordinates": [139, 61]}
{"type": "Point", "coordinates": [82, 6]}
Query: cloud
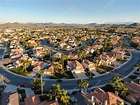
{"type": "Point", "coordinates": [108, 4]}
{"type": "Point", "coordinates": [70, 8]}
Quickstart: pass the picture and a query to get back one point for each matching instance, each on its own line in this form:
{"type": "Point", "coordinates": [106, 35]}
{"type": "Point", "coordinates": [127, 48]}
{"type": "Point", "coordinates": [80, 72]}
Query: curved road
{"type": "Point", "coordinates": [71, 84]}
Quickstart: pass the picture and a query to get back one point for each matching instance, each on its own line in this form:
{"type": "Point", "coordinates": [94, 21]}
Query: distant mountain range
{"type": "Point", "coordinates": [16, 24]}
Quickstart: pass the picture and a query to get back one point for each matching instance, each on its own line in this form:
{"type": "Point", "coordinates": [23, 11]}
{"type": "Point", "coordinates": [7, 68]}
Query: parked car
{"type": "Point", "coordinates": [22, 85]}
{"type": "Point", "coordinates": [10, 66]}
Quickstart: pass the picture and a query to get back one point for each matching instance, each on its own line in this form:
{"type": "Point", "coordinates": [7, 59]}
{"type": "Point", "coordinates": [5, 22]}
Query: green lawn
{"type": "Point", "coordinates": [102, 69]}
{"type": "Point", "coordinates": [67, 75]}
{"type": "Point", "coordinates": [122, 61]}
{"type": "Point", "coordinates": [88, 73]}
{"type": "Point", "coordinates": [19, 71]}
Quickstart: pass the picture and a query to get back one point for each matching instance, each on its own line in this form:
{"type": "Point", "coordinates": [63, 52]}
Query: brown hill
{"type": "Point", "coordinates": [18, 25]}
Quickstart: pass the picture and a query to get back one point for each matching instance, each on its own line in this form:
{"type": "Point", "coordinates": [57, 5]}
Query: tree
{"type": "Point", "coordinates": [115, 80]}
{"type": "Point", "coordinates": [61, 95]}
{"type": "Point", "coordinates": [109, 88]}
{"type": "Point", "coordinates": [83, 83]}
{"type": "Point", "coordinates": [81, 54]}
{"type": "Point", "coordinates": [58, 68]}
{"type": "Point", "coordinates": [122, 90]}
{"type": "Point", "coordinates": [25, 64]}
{"type": "Point", "coordinates": [119, 86]}
{"type": "Point", "coordinates": [42, 83]}
{"type": "Point", "coordinates": [64, 98]}
{"type": "Point", "coordinates": [35, 84]}
{"type": "Point", "coordinates": [47, 52]}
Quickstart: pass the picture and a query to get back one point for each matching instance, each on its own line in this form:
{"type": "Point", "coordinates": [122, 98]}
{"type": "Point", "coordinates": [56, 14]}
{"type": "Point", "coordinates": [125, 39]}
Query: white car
{"type": "Point", "coordinates": [10, 66]}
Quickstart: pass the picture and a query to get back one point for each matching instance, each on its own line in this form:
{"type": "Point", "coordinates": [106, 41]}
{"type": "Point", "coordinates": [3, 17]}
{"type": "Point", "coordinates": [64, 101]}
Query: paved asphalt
{"type": "Point", "coordinates": [71, 84]}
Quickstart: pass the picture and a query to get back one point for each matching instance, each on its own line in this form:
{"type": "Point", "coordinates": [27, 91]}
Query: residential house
{"type": "Point", "coordinates": [100, 41]}
{"type": "Point", "coordinates": [32, 43]}
{"type": "Point", "coordinates": [9, 98]}
{"type": "Point", "coordinates": [95, 47]}
{"type": "Point", "coordinates": [17, 63]}
{"type": "Point", "coordinates": [75, 66]}
{"type": "Point", "coordinates": [49, 71]}
{"type": "Point", "coordinates": [62, 45]}
{"type": "Point", "coordinates": [100, 97]}
{"type": "Point", "coordinates": [57, 55]}
{"type": "Point", "coordinates": [72, 56]}
{"type": "Point", "coordinates": [134, 92]}
{"type": "Point", "coordinates": [118, 53]}
{"type": "Point", "coordinates": [136, 39]}
{"type": "Point", "coordinates": [16, 53]}
{"type": "Point", "coordinates": [14, 43]}
{"type": "Point", "coordinates": [38, 65]}
{"type": "Point", "coordinates": [88, 65]}
{"type": "Point", "coordinates": [72, 43]}
{"type": "Point", "coordinates": [102, 59]}
{"type": "Point", "coordinates": [38, 51]}
{"type": "Point", "coordinates": [35, 100]}
{"type": "Point", "coordinates": [114, 42]}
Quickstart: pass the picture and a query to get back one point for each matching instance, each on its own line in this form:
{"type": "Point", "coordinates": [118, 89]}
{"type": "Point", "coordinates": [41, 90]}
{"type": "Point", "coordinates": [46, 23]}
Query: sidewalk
{"type": "Point", "coordinates": [13, 89]}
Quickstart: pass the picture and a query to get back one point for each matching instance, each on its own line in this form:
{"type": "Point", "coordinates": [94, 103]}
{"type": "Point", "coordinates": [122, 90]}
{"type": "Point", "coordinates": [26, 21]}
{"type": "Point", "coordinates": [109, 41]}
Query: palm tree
{"type": "Point", "coordinates": [115, 80]}
{"type": "Point", "coordinates": [83, 83]}
{"type": "Point", "coordinates": [25, 64]}
{"type": "Point", "coordinates": [58, 68]}
{"type": "Point", "coordinates": [35, 84]}
{"type": "Point", "coordinates": [42, 83]}
{"type": "Point", "coordinates": [81, 54]}
{"type": "Point", "coordinates": [63, 58]}
{"type": "Point", "coordinates": [64, 98]}
{"type": "Point", "coordinates": [119, 86]}
{"type": "Point", "coordinates": [56, 92]}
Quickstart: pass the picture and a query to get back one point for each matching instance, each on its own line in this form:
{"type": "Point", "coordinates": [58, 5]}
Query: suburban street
{"type": "Point", "coordinates": [71, 84]}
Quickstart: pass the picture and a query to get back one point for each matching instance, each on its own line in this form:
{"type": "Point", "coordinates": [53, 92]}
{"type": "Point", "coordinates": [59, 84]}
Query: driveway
{"type": "Point", "coordinates": [81, 75]}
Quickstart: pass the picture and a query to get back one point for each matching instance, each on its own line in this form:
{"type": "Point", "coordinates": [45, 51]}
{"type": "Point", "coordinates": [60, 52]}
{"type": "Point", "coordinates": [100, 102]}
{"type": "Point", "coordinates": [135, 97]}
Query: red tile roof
{"type": "Point", "coordinates": [102, 96]}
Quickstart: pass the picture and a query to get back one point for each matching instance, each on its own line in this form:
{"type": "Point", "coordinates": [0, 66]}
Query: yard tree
{"type": "Point", "coordinates": [42, 83]}
{"type": "Point", "coordinates": [119, 86]}
{"type": "Point", "coordinates": [63, 58]}
{"type": "Point", "coordinates": [83, 83]}
{"type": "Point", "coordinates": [108, 87]}
{"type": "Point", "coordinates": [47, 52]}
{"type": "Point", "coordinates": [81, 54]}
{"type": "Point", "coordinates": [61, 95]}
{"type": "Point", "coordinates": [58, 68]}
{"type": "Point", "coordinates": [25, 64]}
{"type": "Point", "coordinates": [122, 90]}
{"type": "Point", "coordinates": [115, 80]}
{"type": "Point", "coordinates": [35, 84]}
{"type": "Point", "coordinates": [64, 98]}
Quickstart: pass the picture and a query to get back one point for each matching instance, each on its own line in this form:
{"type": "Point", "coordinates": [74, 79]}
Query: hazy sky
{"type": "Point", "coordinates": [70, 11]}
